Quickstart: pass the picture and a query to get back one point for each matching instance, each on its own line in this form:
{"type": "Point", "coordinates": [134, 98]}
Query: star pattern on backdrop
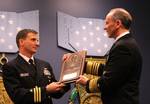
{"type": "Point", "coordinates": [11, 23]}
{"type": "Point", "coordinates": [88, 34]}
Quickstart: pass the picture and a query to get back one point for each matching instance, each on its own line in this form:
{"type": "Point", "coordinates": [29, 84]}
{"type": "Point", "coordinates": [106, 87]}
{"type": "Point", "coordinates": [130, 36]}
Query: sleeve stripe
{"type": "Point", "coordinates": [37, 94]}
{"type": "Point", "coordinates": [34, 95]}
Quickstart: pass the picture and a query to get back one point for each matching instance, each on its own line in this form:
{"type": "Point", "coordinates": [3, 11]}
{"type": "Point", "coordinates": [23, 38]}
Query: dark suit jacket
{"type": "Point", "coordinates": [119, 83]}
{"type": "Point", "coordinates": [19, 78]}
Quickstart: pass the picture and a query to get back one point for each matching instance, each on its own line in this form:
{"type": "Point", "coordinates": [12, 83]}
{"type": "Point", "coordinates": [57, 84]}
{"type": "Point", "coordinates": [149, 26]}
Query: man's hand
{"type": "Point", "coordinates": [82, 80]}
{"type": "Point", "coordinates": [54, 87]}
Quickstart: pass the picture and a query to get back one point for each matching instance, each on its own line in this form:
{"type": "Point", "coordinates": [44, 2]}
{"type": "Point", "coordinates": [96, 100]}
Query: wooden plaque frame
{"type": "Point", "coordinates": [72, 67]}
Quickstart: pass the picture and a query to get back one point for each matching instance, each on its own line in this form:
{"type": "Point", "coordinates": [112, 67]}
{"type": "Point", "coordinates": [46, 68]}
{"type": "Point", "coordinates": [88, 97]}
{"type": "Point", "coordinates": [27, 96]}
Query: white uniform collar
{"type": "Point", "coordinates": [26, 58]}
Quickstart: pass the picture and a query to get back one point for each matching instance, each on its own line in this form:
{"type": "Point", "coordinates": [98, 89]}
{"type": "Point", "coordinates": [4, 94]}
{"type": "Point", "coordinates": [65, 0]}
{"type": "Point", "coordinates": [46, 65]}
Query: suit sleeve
{"type": "Point", "coordinates": [116, 72]}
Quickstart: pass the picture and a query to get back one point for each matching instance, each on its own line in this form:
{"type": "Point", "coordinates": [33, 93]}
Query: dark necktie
{"type": "Point", "coordinates": [33, 67]}
{"type": "Point", "coordinates": [31, 63]}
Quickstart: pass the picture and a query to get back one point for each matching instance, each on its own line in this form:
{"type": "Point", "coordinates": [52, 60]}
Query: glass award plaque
{"type": "Point", "coordinates": [72, 67]}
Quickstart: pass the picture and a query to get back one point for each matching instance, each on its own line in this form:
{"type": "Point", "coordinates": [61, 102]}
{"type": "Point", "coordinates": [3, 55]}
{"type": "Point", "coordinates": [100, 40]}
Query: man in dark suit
{"type": "Point", "coordinates": [29, 80]}
{"type": "Point", "coordinates": [119, 82]}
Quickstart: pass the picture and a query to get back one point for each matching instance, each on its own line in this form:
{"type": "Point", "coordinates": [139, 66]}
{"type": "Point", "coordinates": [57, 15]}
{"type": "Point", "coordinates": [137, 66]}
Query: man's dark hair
{"type": "Point", "coordinates": [22, 34]}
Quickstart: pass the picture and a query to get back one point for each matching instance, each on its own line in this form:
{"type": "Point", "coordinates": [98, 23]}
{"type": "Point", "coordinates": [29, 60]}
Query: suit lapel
{"type": "Point", "coordinates": [115, 44]}
{"type": "Point", "coordinates": [120, 39]}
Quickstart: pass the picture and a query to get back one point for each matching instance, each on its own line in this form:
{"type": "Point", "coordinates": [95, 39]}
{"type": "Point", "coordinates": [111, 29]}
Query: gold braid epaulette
{"type": "Point", "coordinates": [93, 85]}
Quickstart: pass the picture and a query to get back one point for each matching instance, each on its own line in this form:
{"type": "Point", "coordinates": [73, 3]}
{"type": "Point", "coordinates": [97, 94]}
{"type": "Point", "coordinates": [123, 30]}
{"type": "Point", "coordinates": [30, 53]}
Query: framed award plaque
{"type": "Point", "coordinates": [72, 67]}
